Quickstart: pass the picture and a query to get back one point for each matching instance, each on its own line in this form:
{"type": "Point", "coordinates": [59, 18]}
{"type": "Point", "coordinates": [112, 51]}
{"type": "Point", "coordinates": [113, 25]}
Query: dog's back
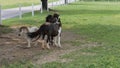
{"type": "Point", "coordinates": [33, 29]}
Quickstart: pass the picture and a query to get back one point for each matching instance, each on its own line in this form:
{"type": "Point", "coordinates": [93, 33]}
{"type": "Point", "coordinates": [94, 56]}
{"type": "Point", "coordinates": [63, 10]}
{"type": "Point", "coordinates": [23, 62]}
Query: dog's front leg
{"type": "Point", "coordinates": [55, 41]}
{"type": "Point", "coordinates": [36, 43]}
{"type": "Point", "coordinates": [59, 35]}
{"type": "Point", "coordinates": [59, 44]}
{"type": "Point", "coordinates": [29, 42]}
{"type": "Point", "coordinates": [48, 42]}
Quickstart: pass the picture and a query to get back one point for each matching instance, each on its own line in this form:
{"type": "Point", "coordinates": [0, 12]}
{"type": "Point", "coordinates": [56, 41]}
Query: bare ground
{"type": "Point", "coordinates": [10, 52]}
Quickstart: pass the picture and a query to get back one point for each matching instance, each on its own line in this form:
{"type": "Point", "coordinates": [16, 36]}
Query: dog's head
{"type": "Point", "coordinates": [56, 17]}
{"type": "Point", "coordinates": [49, 18]}
{"type": "Point", "coordinates": [22, 30]}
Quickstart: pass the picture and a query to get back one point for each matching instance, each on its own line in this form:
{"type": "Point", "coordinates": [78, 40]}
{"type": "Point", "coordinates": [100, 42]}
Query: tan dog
{"type": "Point", "coordinates": [23, 32]}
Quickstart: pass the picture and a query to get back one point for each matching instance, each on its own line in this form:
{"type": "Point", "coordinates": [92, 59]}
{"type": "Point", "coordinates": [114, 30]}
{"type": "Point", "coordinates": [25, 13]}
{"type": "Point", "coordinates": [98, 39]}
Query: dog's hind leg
{"type": "Point", "coordinates": [48, 45]}
{"type": "Point", "coordinates": [52, 41]}
{"type": "Point", "coordinates": [43, 43]}
{"type": "Point", "coordinates": [48, 40]}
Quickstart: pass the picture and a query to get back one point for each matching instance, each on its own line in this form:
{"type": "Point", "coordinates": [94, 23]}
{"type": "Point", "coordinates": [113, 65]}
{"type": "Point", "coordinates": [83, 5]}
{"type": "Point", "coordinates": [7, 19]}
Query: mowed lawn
{"type": "Point", "coordinates": [95, 22]}
{"type": "Point", "coordinates": [16, 3]}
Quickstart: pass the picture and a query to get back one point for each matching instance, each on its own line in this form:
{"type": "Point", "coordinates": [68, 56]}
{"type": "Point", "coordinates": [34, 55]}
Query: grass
{"type": "Point", "coordinates": [15, 3]}
{"type": "Point", "coordinates": [20, 65]}
{"type": "Point", "coordinates": [5, 29]}
{"type": "Point", "coordinates": [96, 22]}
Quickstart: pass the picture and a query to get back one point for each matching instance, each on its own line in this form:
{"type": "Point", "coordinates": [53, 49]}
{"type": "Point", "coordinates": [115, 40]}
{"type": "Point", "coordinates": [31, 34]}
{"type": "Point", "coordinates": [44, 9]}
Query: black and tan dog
{"type": "Point", "coordinates": [51, 28]}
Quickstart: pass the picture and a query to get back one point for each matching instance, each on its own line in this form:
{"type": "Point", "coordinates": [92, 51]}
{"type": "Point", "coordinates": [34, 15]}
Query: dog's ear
{"type": "Point", "coordinates": [48, 18]}
{"type": "Point", "coordinates": [56, 15]}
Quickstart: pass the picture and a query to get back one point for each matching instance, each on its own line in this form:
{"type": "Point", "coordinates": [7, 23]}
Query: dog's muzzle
{"type": "Point", "coordinates": [19, 35]}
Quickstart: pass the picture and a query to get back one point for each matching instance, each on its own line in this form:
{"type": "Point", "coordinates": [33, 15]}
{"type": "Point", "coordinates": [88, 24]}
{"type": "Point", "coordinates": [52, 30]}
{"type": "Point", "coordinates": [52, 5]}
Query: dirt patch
{"type": "Point", "coordinates": [68, 47]}
{"type": "Point", "coordinates": [10, 52]}
{"type": "Point", "coordinates": [56, 53]}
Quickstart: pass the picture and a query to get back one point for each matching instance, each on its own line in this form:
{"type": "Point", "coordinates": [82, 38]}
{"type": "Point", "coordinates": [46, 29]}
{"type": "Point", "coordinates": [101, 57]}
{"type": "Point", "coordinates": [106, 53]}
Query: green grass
{"type": "Point", "coordinates": [20, 65]}
{"type": "Point", "coordinates": [94, 21]}
{"type": "Point", "coordinates": [5, 29]}
{"type": "Point", "coordinates": [15, 3]}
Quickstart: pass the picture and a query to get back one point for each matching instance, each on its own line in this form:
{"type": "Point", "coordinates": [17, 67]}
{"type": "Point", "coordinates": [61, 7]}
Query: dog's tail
{"type": "Point", "coordinates": [33, 34]}
{"type": "Point", "coordinates": [39, 32]}
{"type": "Point", "coordinates": [36, 34]}
{"type": "Point", "coordinates": [36, 38]}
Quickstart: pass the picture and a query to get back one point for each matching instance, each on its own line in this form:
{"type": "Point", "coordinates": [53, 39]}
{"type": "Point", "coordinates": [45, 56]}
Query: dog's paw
{"type": "Point", "coordinates": [43, 48]}
{"type": "Point", "coordinates": [60, 46]}
{"type": "Point", "coordinates": [28, 46]}
{"type": "Point", "coordinates": [18, 45]}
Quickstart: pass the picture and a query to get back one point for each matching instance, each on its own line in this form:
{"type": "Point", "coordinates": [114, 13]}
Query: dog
{"type": "Point", "coordinates": [23, 32]}
{"type": "Point", "coordinates": [57, 39]}
{"type": "Point", "coordinates": [51, 29]}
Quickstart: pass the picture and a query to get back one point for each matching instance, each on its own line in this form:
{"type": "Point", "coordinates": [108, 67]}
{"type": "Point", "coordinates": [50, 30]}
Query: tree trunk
{"type": "Point", "coordinates": [44, 4]}
{"type": "Point", "coordinates": [66, 1]}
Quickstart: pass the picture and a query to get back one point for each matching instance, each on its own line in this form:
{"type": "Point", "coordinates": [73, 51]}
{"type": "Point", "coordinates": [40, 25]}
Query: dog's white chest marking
{"type": "Point", "coordinates": [60, 29]}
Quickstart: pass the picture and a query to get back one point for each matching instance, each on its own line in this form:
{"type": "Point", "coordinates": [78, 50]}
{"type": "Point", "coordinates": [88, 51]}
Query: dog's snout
{"type": "Point", "coordinates": [19, 35]}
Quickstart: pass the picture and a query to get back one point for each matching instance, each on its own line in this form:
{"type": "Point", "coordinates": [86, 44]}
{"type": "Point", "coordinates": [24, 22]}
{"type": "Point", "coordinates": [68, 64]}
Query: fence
{"type": "Point", "coordinates": [101, 0]}
{"type": "Point", "coordinates": [0, 16]}
{"type": "Point", "coordinates": [21, 10]}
